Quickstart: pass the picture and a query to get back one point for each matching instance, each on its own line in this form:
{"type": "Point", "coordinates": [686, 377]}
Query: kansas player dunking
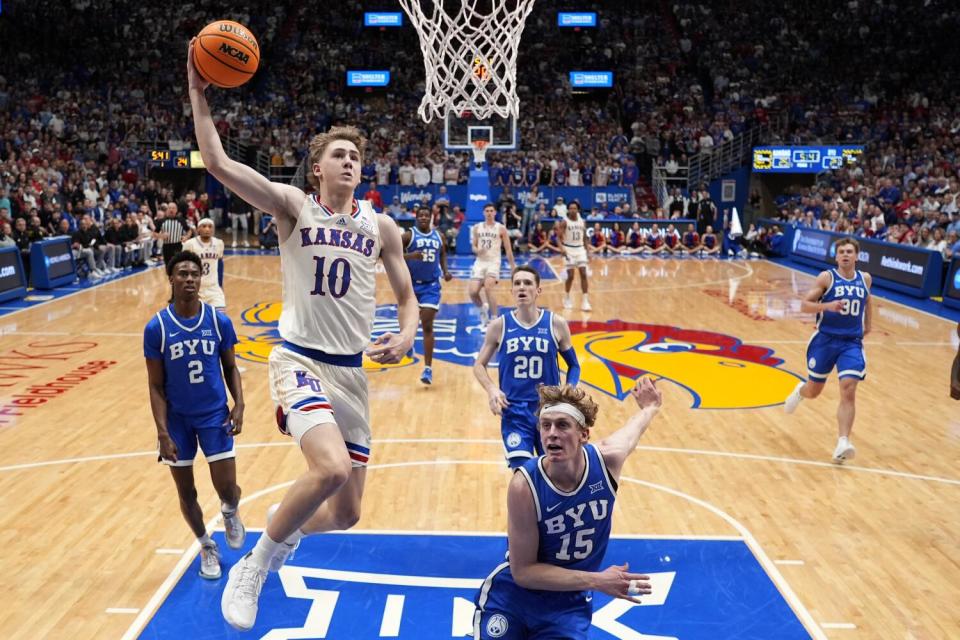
{"type": "Point", "coordinates": [426, 258]}
{"type": "Point", "coordinates": [528, 341]}
{"type": "Point", "coordinates": [560, 508]}
{"type": "Point", "coordinates": [186, 345]}
{"type": "Point", "coordinates": [329, 246]}
{"type": "Point", "coordinates": [210, 250]}
{"type": "Point", "coordinates": [841, 299]}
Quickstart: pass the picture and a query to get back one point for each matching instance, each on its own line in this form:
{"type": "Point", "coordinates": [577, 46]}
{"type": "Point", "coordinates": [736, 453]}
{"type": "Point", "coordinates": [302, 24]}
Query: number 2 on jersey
{"type": "Point", "coordinates": [196, 371]}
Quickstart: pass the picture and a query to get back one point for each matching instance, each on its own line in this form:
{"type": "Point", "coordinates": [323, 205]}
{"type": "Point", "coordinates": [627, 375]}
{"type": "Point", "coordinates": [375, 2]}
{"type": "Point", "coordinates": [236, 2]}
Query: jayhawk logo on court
{"type": "Point", "coordinates": [717, 370]}
{"type": "Point", "coordinates": [258, 333]}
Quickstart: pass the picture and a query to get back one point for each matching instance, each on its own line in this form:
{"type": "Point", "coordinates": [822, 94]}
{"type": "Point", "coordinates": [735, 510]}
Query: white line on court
{"type": "Point", "coordinates": [758, 552]}
{"type": "Point", "coordinates": [789, 563]}
{"type": "Point", "coordinates": [838, 625]}
{"type": "Point", "coordinates": [779, 581]}
{"type": "Point", "coordinates": [700, 452]}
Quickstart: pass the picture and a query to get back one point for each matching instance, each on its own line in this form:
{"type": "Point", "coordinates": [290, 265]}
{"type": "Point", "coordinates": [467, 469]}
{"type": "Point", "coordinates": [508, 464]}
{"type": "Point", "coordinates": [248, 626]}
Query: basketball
{"type": "Point", "coordinates": [226, 54]}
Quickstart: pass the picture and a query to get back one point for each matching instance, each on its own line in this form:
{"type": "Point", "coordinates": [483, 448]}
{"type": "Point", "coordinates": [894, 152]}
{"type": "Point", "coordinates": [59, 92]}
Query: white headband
{"type": "Point", "coordinates": [567, 408]}
{"type": "Point", "coordinates": [206, 221]}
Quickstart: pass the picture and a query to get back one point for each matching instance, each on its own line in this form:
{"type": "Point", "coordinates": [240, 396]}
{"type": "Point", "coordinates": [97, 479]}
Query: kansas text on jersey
{"type": "Point", "coordinates": [328, 272]}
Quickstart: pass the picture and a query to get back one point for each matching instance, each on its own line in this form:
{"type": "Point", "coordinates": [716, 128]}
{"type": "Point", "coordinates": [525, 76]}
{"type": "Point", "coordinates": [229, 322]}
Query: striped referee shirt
{"type": "Point", "coordinates": [174, 230]}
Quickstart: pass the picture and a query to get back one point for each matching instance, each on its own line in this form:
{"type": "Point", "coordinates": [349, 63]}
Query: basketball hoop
{"type": "Point", "coordinates": [469, 55]}
{"type": "Point", "coordinates": [479, 151]}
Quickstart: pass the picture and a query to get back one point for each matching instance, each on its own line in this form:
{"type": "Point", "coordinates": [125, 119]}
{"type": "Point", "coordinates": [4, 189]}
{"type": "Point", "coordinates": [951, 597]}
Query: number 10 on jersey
{"type": "Point", "coordinates": [337, 278]}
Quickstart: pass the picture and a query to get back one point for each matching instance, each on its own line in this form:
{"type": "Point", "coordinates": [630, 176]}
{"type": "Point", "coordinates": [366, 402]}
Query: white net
{"type": "Point", "coordinates": [479, 151]}
{"type": "Point", "coordinates": [469, 54]}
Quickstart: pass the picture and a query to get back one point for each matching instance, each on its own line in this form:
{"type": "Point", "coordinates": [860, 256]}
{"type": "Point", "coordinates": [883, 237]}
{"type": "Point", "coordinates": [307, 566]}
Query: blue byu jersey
{"type": "Point", "coordinates": [848, 323]}
{"type": "Point", "coordinates": [428, 244]}
{"type": "Point", "coordinates": [527, 357]}
{"type": "Point", "coordinates": [574, 527]}
{"type": "Point", "coordinates": [190, 349]}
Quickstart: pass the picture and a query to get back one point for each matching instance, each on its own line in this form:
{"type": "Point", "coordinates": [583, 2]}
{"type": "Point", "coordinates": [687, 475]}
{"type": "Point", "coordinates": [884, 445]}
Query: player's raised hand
{"type": "Point", "coordinates": [646, 393]}
{"type": "Point", "coordinates": [194, 79]}
{"type": "Point", "coordinates": [498, 402]}
{"type": "Point", "coordinates": [168, 450]}
{"type": "Point", "coordinates": [615, 581]}
{"type": "Point", "coordinates": [389, 348]}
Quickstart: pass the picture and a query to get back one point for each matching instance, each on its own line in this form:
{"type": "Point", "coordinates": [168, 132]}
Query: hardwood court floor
{"type": "Point", "coordinates": [84, 507]}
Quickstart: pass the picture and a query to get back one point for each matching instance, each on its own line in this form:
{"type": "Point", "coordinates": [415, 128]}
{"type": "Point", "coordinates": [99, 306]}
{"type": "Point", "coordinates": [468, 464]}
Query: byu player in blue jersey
{"type": "Point", "coordinates": [560, 508]}
{"type": "Point", "coordinates": [426, 258]}
{"type": "Point", "coordinates": [186, 345]}
{"type": "Point", "coordinates": [841, 299]}
{"type": "Point", "coordinates": [527, 341]}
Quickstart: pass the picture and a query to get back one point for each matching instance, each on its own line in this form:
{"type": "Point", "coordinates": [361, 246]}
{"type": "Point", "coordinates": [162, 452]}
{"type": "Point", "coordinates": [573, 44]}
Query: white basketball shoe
{"type": "Point", "coordinates": [844, 451]}
{"type": "Point", "coordinates": [793, 400]}
{"type": "Point", "coordinates": [241, 596]}
{"type": "Point", "coordinates": [235, 531]}
{"type": "Point", "coordinates": [210, 561]}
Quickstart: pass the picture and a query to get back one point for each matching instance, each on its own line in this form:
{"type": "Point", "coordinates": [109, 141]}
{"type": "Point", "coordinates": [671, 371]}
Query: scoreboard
{"type": "Point", "coordinates": [169, 159]}
{"type": "Point", "coordinates": [804, 159]}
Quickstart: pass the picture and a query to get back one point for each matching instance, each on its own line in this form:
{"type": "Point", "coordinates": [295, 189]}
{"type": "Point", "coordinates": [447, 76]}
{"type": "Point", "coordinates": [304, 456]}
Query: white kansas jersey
{"type": "Point", "coordinates": [327, 266]}
{"type": "Point", "coordinates": [488, 241]}
{"type": "Point", "coordinates": [211, 256]}
{"type": "Point", "coordinates": [574, 233]}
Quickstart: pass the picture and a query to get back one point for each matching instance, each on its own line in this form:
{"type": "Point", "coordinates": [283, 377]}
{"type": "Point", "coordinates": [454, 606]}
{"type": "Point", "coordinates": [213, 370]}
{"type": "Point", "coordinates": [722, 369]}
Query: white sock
{"type": "Point", "coordinates": [586, 297]}
{"type": "Point", "coordinates": [294, 537]}
{"type": "Point", "coordinates": [263, 551]}
{"type": "Point", "coordinates": [205, 540]}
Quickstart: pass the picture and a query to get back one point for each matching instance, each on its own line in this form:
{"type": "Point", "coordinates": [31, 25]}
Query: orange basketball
{"type": "Point", "coordinates": [226, 54]}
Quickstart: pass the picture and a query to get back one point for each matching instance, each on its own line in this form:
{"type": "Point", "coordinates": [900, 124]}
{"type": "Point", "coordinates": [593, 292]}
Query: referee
{"type": "Point", "coordinates": [172, 230]}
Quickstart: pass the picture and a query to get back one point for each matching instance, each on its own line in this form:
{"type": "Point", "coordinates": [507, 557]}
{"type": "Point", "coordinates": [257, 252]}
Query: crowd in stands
{"type": "Point", "coordinates": [76, 119]}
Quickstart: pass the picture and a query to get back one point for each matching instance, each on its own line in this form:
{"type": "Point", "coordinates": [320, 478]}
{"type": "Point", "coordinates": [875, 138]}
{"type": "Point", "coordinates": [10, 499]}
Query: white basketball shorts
{"type": "Point", "coordinates": [308, 393]}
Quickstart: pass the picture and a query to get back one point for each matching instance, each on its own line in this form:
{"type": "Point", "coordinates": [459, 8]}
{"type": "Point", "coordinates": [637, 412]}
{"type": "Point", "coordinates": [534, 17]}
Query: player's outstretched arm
{"type": "Point", "coordinates": [390, 348]}
{"type": "Point", "coordinates": [524, 539]}
{"type": "Point", "coordinates": [496, 397]}
{"type": "Point", "coordinates": [616, 447]}
{"type": "Point", "coordinates": [281, 200]}
{"type": "Point", "coordinates": [810, 301]}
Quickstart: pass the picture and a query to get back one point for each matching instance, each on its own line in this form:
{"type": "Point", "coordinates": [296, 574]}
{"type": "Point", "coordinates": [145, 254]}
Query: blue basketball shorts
{"type": "Point", "coordinates": [428, 293]}
{"type": "Point", "coordinates": [209, 430]}
{"type": "Point", "coordinates": [824, 352]}
{"type": "Point", "coordinates": [506, 611]}
{"type": "Point", "coordinates": [520, 432]}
